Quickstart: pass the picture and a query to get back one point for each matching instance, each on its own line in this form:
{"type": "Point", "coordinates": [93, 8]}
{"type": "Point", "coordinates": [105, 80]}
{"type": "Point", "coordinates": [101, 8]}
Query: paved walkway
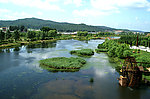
{"type": "Point", "coordinates": [141, 48]}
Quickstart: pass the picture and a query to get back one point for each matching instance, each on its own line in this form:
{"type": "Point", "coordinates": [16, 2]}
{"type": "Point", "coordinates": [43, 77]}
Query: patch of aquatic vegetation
{"type": "Point", "coordinates": [83, 52]}
{"type": "Point", "coordinates": [62, 64]}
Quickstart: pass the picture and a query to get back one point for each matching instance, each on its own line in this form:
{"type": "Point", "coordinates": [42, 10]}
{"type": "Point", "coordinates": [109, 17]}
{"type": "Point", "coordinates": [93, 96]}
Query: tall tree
{"type": "Point", "coordinates": [2, 35]}
{"type": "Point", "coordinates": [16, 35]}
{"type": "Point", "coordinates": [31, 34]}
{"type": "Point", "coordinates": [7, 34]}
{"type": "Point", "coordinates": [45, 29]}
{"type": "Point", "coordinates": [22, 28]}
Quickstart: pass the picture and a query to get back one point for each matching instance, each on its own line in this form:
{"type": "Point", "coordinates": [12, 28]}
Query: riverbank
{"type": "Point", "coordinates": [63, 37]}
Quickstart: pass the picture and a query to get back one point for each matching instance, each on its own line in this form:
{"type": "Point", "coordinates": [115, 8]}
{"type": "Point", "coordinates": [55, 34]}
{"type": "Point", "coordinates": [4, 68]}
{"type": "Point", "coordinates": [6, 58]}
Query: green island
{"type": "Point", "coordinates": [62, 63]}
{"type": "Point", "coordinates": [83, 52]}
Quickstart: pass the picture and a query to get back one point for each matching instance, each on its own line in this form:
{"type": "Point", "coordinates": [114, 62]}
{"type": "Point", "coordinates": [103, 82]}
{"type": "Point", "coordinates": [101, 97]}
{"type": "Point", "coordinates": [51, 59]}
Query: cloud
{"type": "Point", "coordinates": [116, 4]}
{"type": "Point", "coordinates": [45, 5]}
{"type": "Point", "coordinates": [15, 15]}
{"type": "Point", "coordinates": [4, 11]}
{"type": "Point", "coordinates": [148, 9]}
{"type": "Point", "coordinates": [78, 3]}
{"type": "Point", "coordinates": [88, 12]}
{"type": "Point", "coordinates": [39, 13]}
{"type": "Point", "coordinates": [107, 7]}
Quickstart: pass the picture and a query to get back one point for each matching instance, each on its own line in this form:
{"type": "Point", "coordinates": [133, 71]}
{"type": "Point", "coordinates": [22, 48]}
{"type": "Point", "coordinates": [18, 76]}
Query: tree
{"type": "Point", "coordinates": [127, 53]}
{"type": "Point", "coordinates": [16, 35]}
{"type": "Point", "coordinates": [52, 33]}
{"type": "Point", "coordinates": [82, 33]}
{"type": "Point", "coordinates": [42, 35]}
{"type": "Point", "coordinates": [13, 28]}
{"type": "Point", "coordinates": [31, 34]}
{"type": "Point", "coordinates": [46, 29]}
{"type": "Point", "coordinates": [22, 27]}
{"type": "Point", "coordinates": [7, 34]}
{"type": "Point", "coordinates": [2, 35]}
{"type": "Point", "coordinates": [111, 52]}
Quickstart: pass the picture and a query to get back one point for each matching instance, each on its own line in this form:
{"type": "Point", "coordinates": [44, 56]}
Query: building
{"type": "Point", "coordinates": [4, 29]}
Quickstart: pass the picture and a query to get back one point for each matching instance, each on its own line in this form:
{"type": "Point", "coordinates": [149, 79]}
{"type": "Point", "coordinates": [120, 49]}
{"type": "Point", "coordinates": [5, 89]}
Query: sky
{"type": "Point", "coordinates": [121, 14]}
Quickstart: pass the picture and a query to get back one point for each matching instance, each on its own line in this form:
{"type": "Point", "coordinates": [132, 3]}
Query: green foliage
{"type": "Point", "coordinates": [143, 57]}
{"type": "Point", "coordinates": [46, 29]}
{"type": "Point", "coordinates": [83, 52]}
{"type": "Point", "coordinates": [63, 63]}
{"type": "Point", "coordinates": [16, 35]}
{"type": "Point", "coordinates": [31, 34]}
{"type": "Point", "coordinates": [7, 35]}
{"type": "Point", "coordinates": [2, 35]}
{"type": "Point", "coordinates": [132, 40]}
{"type": "Point", "coordinates": [82, 33]}
{"type": "Point", "coordinates": [104, 34]}
{"type": "Point", "coordinates": [127, 53]}
{"type": "Point", "coordinates": [52, 33]}
{"type": "Point", "coordinates": [101, 50]}
{"type": "Point", "coordinates": [101, 46]}
{"type": "Point", "coordinates": [13, 28]}
{"type": "Point", "coordinates": [114, 49]}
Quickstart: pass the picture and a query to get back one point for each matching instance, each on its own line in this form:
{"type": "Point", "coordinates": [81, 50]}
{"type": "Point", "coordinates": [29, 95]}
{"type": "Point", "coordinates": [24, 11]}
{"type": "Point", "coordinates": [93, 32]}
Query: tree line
{"type": "Point", "coordinates": [16, 35]}
{"type": "Point", "coordinates": [132, 40]}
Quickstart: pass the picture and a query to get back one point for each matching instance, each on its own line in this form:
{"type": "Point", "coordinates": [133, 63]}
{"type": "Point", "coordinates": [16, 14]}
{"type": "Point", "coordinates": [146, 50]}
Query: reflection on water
{"type": "Point", "coordinates": [22, 78]}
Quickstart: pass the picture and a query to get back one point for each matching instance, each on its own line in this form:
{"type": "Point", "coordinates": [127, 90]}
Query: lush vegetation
{"type": "Point", "coordinates": [122, 51]}
{"type": "Point", "coordinates": [83, 52]}
{"type": "Point", "coordinates": [35, 23]}
{"type": "Point", "coordinates": [101, 50]}
{"type": "Point", "coordinates": [63, 63]}
{"type": "Point", "coordinates": [16, 36]}
{"type": "Point", "coordinates": [132, 40]}
{"type": "Point", "coordinates": [115, 50]}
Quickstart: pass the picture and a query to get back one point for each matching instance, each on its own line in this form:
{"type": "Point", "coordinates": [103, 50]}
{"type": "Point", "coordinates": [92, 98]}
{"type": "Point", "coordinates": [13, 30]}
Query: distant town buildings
{"type": "Point", "coordinates": [4, 29]}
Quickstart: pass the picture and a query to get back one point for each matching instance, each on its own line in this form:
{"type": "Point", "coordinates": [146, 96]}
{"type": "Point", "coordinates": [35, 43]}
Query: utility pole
{"type": "Point", "coordinates": [137, 45]}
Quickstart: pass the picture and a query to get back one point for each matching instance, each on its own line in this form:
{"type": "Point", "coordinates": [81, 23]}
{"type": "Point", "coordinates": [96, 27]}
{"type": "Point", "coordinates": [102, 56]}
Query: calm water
{"type": "Point", "coordinates": [22, 78]}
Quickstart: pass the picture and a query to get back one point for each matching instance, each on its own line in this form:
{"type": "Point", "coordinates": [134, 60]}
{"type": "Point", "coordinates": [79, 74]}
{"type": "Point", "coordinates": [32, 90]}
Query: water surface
{"type": "Point", "coordinates": [22, 78]}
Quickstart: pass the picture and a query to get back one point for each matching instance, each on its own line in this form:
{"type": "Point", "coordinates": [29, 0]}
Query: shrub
{"type": "Point", "coordinates": [83, 52]}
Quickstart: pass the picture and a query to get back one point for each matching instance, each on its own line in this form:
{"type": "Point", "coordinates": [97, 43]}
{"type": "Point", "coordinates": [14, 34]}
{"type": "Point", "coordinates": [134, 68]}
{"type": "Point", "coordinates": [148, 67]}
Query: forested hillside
{"type": "Point", "coordinates": [60, 26]}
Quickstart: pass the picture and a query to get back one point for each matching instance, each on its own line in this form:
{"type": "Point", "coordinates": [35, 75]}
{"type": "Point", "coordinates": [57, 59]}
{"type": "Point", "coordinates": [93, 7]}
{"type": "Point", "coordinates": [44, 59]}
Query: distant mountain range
{"type": "Point", "coordinates": [36, 23]}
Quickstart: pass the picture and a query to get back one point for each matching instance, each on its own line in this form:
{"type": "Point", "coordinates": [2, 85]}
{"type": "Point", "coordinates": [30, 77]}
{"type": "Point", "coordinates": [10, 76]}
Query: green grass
{"type": "Point", "coordinates": [83, 52]}
{"type": "Point", "coordinates": [101, 50]}
{"type": "Point", "coordinates": [62, 63]}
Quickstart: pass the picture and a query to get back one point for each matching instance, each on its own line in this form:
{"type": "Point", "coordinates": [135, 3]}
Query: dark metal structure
{"type": "Point", "coordinates": [131, 73]}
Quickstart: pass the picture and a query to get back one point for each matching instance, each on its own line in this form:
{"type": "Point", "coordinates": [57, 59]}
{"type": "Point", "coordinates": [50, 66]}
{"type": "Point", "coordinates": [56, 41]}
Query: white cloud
{"type": "Point", "coordinates": [4, 11]}
{"type": "Point", "coordinates": [39, 13]}
{"type": "Point", "coordinates": [17, 15]}
{"type": "Point", "coordinates": [45, 5]}
{"type": "Point", "coordinates": [148, 9]}
{"type": "Point", "coordinates": [66, 2]}
{"type": "Point", "coordinates": [115, 4]}
{"type": "Point", "coordinates": [88, 12]}
{"type": "Point", "coordinates": [107, 7]}
{"type": "Point", "coordinates": [78, 3]}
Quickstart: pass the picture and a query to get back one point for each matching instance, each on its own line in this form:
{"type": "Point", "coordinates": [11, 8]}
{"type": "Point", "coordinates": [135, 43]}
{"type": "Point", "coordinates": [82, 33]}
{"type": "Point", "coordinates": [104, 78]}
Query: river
{"type": "Point", "coordinates": [22, 78]}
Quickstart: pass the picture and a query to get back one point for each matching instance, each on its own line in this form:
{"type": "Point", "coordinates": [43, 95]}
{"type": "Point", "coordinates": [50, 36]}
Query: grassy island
{"type": "Point", "coordinates": [62, 63]}
{"type": "Point", "coordinates": [83, 52]}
